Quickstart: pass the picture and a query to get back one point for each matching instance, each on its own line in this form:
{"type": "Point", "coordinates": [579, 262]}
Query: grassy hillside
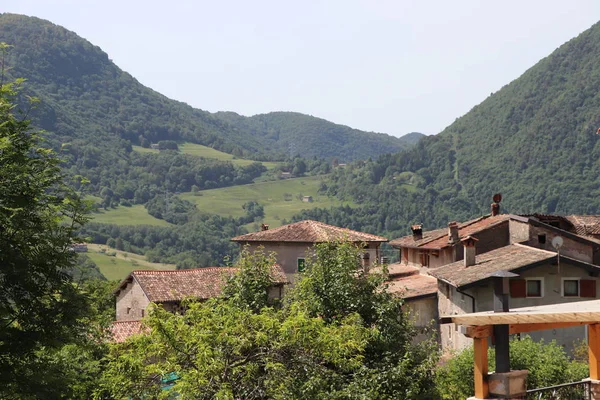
{"type": "Point", "coordinates": [280, 199]}
{"type": "Point", "coordinates": [134, 215]}
{"type": "Point", "coordinates": [208, 152]}
{"type": "Point", "coordinates": [119, 265]}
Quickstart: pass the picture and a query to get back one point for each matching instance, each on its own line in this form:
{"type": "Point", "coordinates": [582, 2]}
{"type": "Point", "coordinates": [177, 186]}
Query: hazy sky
{"type": "Point", "coordinates": [385, 66]}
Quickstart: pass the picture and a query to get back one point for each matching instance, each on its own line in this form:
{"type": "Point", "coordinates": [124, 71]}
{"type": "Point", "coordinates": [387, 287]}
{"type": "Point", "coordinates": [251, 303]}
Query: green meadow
{"type": "Point", "coordinates": [208, 152]}
{"type": "Point", "coordinates": [119, 265]}
{"type": "Point", "coordinates": [280, 199]}
{"type": "Point", "coordinates": [134, 215]}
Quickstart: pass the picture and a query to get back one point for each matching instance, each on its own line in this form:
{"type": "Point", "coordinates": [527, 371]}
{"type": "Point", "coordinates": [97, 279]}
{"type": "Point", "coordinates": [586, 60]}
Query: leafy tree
{"type": "Point", "coordinates": [40, 307]}
{"type": "Point", "coordinates": [235, 347]}
{"type": "Point", "coordinates": [250, 287]}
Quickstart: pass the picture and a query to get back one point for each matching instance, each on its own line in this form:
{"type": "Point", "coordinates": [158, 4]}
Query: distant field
{"type": "Point", "coordinates": [141, 149]}
{"type": "Point", "coordinates": [117, 267]}
{"type": "Point", "coordinates": [208, 152]}
{"type": "Point", "coordinates": [229, 201]}
{"type": "Point", "coordinates": [134, 215]}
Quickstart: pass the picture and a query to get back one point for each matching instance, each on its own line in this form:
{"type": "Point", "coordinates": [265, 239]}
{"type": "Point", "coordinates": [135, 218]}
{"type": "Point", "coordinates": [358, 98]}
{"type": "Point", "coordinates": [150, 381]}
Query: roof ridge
{"type": "Point", "coordinates": [179, 271]}
{"type": "Point", "coordinates": [126, 321]}
{"type": "Point", "coordinates": [535, 248]}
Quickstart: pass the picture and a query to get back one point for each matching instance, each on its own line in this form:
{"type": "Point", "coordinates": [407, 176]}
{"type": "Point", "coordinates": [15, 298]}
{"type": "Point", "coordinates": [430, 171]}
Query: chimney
{"type": "Point", "coordinates": [264, 227]}
{"type": "Point", "coordinates": [453, 232]}
{"type": "Point", "coordinates": [496, 205]}
{"type": "Point", "coordinates": [469, 244]}
{"type": "Point", "coordinates": [417, 231]}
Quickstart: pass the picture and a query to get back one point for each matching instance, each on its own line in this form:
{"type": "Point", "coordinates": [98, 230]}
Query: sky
{"type": "Point", "coordinates": [385, 66]}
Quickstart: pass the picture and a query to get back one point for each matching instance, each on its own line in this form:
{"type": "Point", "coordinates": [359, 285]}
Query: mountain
{"type": "Point", "coordinates": [85, 95]}
{"type": "Point", "coordinates": [535, 141]}
{"type": "Point", "coordinates": [304, 135]}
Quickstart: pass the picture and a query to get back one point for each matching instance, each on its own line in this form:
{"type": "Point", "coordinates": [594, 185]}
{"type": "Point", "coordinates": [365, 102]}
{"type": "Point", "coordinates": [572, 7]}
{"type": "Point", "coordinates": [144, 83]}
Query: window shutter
{"type": "Point", "coordinates": [518, 288]}
{"type": "Point", "coordinates": [587, 288]}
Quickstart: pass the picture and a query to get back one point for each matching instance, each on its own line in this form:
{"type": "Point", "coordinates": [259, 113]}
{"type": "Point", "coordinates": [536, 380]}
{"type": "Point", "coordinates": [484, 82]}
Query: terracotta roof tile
{"type": "Point", "coordinates": [308, 232]}
{"type": "Point", "coordinates": [121, 330]}
{"type": "Point", "coordinates": [585, 224]}
{"type": "Point", "coordinates": [413, 286]}
{"type": "Point", "coordinates": [506, 258]}
{"type": "Point", "coordinates": [438, 239]}
{"type": "Point", "coordinates": [175, 285]}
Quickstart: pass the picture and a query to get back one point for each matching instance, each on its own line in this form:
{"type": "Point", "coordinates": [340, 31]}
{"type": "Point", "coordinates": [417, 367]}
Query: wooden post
{"type": "Point", "coordinates": [480, 346]}
{"type": "Point", "coordinates": [594, 350]}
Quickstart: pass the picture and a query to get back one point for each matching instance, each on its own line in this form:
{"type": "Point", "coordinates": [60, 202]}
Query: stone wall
{"type": "Point", "coordinates": [132, 303]}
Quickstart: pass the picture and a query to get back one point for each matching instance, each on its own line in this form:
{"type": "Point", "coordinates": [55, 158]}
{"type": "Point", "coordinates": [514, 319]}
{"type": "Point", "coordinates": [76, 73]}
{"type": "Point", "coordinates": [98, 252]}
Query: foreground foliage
{"type": "Point", "coordinates": [238, 346]}
{"type": "Point", "coordinates": [47, 320]}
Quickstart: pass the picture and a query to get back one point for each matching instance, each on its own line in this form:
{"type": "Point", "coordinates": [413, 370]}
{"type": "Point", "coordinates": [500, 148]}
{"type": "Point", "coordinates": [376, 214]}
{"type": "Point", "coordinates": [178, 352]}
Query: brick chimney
{"type": "Point", "coordinates": [264, 227]}
{"type": "Point", "coordinates": [417, 231]}
{"type": "Point", "coordinates": [469, 250]}
{"type": "Point", "coordinates": [452, 232]}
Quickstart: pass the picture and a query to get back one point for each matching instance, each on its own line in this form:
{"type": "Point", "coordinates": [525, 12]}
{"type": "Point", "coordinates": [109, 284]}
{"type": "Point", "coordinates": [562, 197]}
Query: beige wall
{"type": "Point", "coordinates": [134, 299]}
{"type": "Point", "coordinates": [450, 302]}
{"type": "Point", "coordinates": [288, 253]}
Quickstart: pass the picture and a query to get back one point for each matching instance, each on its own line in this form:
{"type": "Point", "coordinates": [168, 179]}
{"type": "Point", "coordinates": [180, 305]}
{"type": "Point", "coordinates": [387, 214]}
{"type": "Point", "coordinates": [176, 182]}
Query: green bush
{"type": "Point", "coordinates": [547, 363]}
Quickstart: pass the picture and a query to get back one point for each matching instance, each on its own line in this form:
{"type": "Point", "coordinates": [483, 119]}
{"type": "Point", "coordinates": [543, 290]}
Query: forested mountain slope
{"type": "Point", "coordinates": [307, 136]}
{"type": "Point", "coordinates": [535, 141]}
{"type": "Point", "coordinates": [86, 96]}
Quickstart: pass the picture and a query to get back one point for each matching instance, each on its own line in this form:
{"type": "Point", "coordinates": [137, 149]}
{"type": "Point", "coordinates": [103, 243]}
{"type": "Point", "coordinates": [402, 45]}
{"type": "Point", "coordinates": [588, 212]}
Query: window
{"type": "Point", "coordinates": [128, 310]}
{"type": "Point", "coordinates": [535, 288]}
{"type": "Point", "coordinates": [142, 313]}
{"type": "Point", "coordinates": [542, 239]}
{"type": "Point", "coordinates": [301, 264]}
{"type": "Point", "coordinates": [570, 287]}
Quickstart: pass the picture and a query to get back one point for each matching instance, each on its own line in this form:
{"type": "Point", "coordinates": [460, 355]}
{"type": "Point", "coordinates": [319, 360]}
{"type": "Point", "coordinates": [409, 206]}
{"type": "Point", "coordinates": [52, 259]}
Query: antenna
{"type": "Point", "coordinates": [557, 243]}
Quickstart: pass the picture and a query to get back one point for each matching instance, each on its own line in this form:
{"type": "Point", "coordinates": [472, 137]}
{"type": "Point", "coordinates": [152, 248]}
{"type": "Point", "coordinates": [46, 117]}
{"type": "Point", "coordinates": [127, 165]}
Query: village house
{"type": "Point", "coordinates": [464, 257]}
{"type": "Point", "coordinates": [291, 243]}
{"type": "Point", "coordinates": [169, 288]}
{"type": "Point", "coordinates": [543, 278]}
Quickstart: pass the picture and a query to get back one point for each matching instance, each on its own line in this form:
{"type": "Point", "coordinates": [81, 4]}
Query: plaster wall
{"type": "Point", "coordinates": [288, 253]}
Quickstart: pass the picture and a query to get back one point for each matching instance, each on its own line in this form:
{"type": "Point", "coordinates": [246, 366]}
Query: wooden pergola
{"type": "Point", "coordinates": [480, 327]}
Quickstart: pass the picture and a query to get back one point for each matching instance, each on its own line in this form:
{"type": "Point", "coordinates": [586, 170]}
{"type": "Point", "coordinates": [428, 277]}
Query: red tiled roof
{"type": "Point", "coordinates": [585, 224]}
{"type": "Point", "coordinates": [438, 239]}
{"type": "Point", "coordinates": [413, 286]}
{"type": "Point", "coordinates": [507, 258]}
{"type": "Point", "coordinates": [308, 232]}
{"type": "Point", "coordinates": [199, 283]}
{"type": "Point", "coordinates": [121, 330]}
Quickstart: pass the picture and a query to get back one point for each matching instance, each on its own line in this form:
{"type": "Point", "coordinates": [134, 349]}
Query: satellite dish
{"type": "Point", "coordinates": [497, 198]}
{"type": "Point", "coordinates": [557, 242]}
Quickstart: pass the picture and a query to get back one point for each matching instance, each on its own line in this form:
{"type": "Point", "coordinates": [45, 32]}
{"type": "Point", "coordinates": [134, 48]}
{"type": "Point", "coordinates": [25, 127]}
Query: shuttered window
{"type": "Point", "coordinates": [518, 288]}
{"type": "Point", "coordinates": [587, 288]}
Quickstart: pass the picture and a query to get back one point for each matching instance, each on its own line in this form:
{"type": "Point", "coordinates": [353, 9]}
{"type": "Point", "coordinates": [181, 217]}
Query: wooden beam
{"type": "Point", "coordinates": [594, 350]}
{"type": "Point", "coordinates": [522, 328]}
{"type": "Point", "coordinates": [480, 346]}
{"type": "Point", "coordinates": [477, 331]}
{"type": "Point", "coordinates": [480, 331]}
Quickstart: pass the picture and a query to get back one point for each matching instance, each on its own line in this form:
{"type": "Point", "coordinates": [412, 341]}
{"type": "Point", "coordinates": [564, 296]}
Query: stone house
{"type": "Point", "coordinates": [140, 289]}
{"type": "Point", "coordinates": [291, 243]}
{"type": "Point", "coordinates": [544, 277]}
